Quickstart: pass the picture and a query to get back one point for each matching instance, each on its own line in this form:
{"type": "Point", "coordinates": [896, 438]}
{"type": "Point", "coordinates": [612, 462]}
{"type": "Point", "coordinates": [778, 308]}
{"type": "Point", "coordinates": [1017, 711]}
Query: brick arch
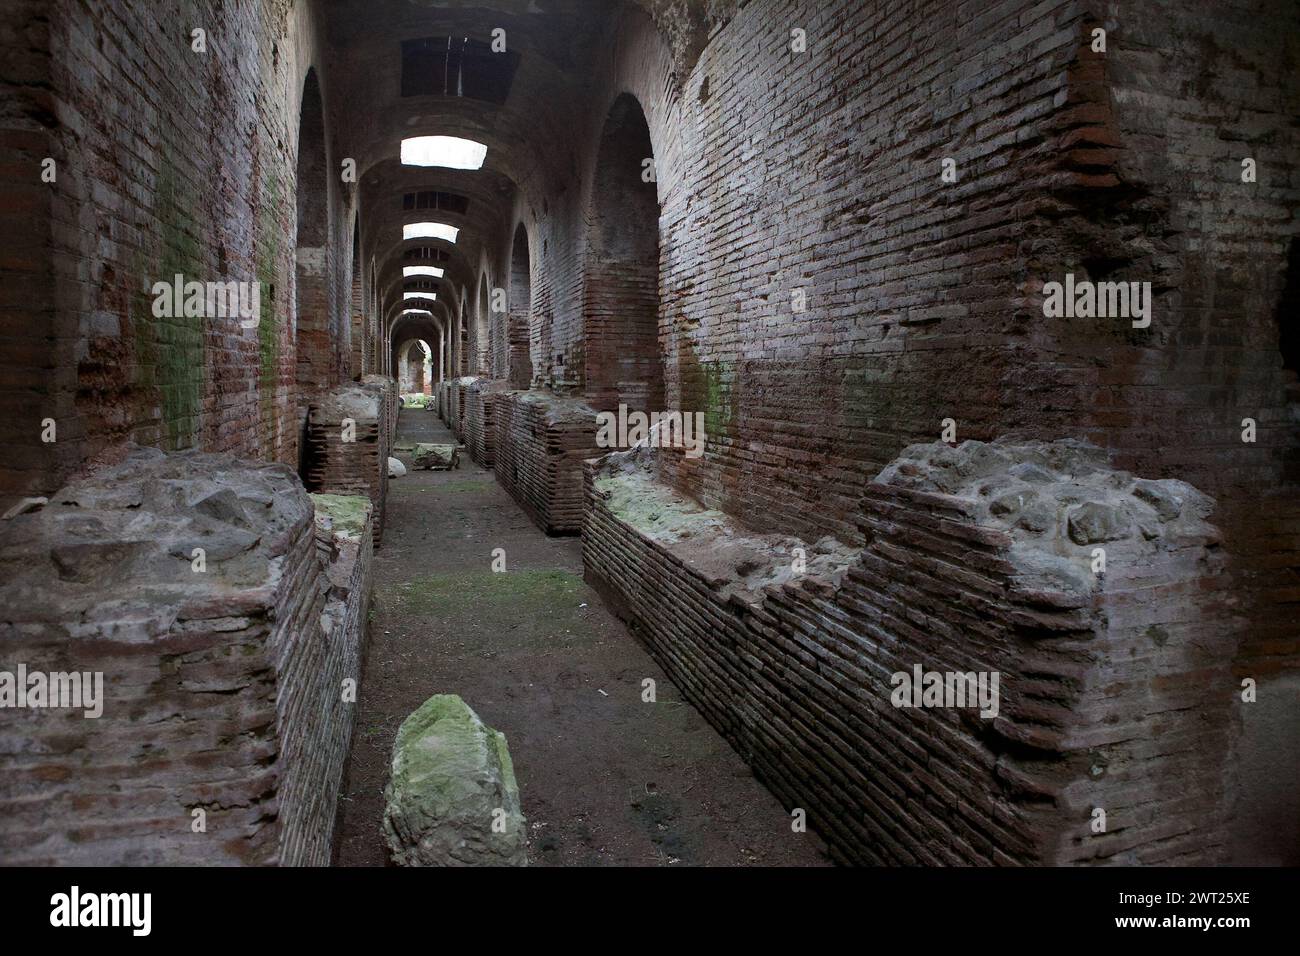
{"type": "Point", "coordinates": [410, 365]}
{"type": "Point", "coordinates": [482, 357]}
{"type": "Point", "coordinates": [622, 362]}
{"type": "Point", "coordinates": [311, 286]}
{"type": "Point", "coordinates": [519, 324]}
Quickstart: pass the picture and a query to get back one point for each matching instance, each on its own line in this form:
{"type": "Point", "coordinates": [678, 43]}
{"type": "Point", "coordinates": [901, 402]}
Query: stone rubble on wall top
{"type": "Point", "coordinates": [111, 555]}
{"type": "Point", "coordinates": [736, 561]}
{"type": "Point", "coordinates": [349, 401]}
{"type": "Point", "coordinates": [1056, 501]}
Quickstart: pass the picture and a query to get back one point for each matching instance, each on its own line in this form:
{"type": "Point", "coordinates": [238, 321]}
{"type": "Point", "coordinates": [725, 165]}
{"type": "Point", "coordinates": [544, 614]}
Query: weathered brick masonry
{"type": "Point", "coordinates": [1115, 688]}
{"type": "Point", "coordinates": [541, 442]}
{"type": "Point", "coordinates": [168, 161]}
{"type": "Point", "coordinates": [221, 679]}
{"type": "Point", "coordinates": [349, 439]}
{"type": "Point", "coordinates": [481, 398]}
{"type": "Point", "coordinates": [456, 393]}
{"type": "Point", "coordinates": [796, 270]}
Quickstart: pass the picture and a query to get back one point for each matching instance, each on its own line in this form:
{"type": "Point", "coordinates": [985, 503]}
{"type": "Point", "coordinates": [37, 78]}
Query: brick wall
{"type": "Point", "coordinates": [349, 439]}
{"type": "Point", "coordinates": [1115, 688]}
{"type": "Point", "coordinates": [481, 397]}
{"type": "Point", "coordinates": [168, 161]}
{"type": "Point", "coordinates": [621, 274]}
{"type": "Point", "coordinates": [540, 444]}
{"type": "Point", "coordinates": [221, 686]}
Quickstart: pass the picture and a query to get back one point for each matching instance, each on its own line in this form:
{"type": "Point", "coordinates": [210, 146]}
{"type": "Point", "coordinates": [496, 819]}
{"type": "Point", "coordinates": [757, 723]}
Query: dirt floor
{"type": "Point", "coordinates": [604, 778]}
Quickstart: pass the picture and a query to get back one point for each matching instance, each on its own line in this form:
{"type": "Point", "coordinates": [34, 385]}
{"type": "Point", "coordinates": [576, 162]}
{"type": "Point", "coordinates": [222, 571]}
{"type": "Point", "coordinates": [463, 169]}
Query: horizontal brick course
{"type": "Point", "coordinates": [1114, 692]}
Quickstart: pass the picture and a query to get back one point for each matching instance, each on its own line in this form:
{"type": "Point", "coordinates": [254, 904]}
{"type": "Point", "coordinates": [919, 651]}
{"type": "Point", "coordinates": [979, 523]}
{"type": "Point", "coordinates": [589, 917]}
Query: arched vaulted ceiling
{"type": "Point", "coordinates": [528, 133]}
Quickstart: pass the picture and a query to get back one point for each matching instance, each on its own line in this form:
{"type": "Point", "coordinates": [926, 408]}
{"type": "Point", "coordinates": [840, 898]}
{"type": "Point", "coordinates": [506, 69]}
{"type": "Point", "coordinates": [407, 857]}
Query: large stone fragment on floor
{"type": "Point", "coordinates": [200, 589]}
{"type": "Point", "coordinates": [452, 799]}
{"type": "Point", "coordinates": [435, 457]}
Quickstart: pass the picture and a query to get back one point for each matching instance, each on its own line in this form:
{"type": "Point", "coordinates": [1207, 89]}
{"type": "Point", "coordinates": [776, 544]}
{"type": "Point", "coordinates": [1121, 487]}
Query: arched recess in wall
{"type": "Point", "coordinates": [621, 277]}
{"type": "Point", "coordinates": [311, 289]}
{"type": "Point", "coordinates": [376, 340]}
{"type": "Point", "coordinates": [460, 338]}
{"type": "Point", "coordinates": [412, 374]}
{"type": "Point", "coordinates": [482, 330]}
{"type": "Point", "coordinates": [519, 363]}
{"type": "Point", "coordinates": [357, 367]}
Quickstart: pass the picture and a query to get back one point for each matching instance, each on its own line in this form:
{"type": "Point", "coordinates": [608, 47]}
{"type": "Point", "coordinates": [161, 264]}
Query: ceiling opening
{"type": "Point", "coordinates": [436, 199]}
{"type": "Point", "coordinates": [457, 66]}
{"type": "Point", "coordinates": [451, 152]}
{"type": "Point", "coordinates": [430, 230]}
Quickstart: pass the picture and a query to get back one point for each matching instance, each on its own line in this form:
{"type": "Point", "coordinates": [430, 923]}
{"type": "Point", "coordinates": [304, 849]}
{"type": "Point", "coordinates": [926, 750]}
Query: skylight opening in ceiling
{"type": "Point", "coordinates": [408, 271]}
{"type": "Point", "coordinates": [430, 230]}
{"type": "Point", "coordinates": [450, 152]}
{"type": "Point", "coordinates": [457, 66]}
{"type": "Point", "coordinates": [436, 199]}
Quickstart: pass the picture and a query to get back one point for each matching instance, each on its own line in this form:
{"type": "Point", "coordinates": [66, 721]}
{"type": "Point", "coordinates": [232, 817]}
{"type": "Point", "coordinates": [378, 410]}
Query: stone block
{"type": "Point", "coordinates": [452, 799]}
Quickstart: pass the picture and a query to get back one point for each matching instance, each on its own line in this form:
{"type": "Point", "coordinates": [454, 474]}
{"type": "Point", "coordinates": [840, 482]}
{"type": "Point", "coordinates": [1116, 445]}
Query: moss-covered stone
{"type": "Point", "coordinates": [452, 799]}
{"type": "Point", "coordinates": [347, 514]}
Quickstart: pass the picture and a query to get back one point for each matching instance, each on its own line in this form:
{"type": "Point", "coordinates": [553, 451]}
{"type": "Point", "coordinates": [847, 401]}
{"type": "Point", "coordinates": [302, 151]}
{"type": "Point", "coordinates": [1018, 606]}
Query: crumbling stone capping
{"type": "Point", "coordinates": [1115, 686]}
{"type": "Point", "coordinates": [480, 425]}
{"type": "Point", "coordinates": [452, 799]}
{"type": "Point", "coordinates": [349, 439]}
{"type": "Point", "coordinates": [223, 611]}
{"type": "Point", "coordinates": [541, 441]}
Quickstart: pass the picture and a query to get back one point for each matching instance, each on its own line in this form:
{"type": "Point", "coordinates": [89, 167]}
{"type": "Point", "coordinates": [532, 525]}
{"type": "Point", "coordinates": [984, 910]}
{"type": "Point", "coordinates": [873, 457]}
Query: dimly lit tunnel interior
{"type": "Point", "coordinates": [649, 433]}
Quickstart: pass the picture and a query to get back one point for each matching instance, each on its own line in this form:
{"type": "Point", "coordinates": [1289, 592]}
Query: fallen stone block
{"type": "Point", "coordinates": [395, 468]}
{"type": "Point", "coordinates": [452, 799]}
{"type": "Point", "coordinates": [435, 457]}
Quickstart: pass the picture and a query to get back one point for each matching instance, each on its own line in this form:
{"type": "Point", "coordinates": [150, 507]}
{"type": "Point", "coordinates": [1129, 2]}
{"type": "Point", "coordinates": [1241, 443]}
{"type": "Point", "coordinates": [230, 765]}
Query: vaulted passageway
{"type": "Point", "coordinates": [610, 778]}
{"type": "Point", "coordinates": [723, 344]}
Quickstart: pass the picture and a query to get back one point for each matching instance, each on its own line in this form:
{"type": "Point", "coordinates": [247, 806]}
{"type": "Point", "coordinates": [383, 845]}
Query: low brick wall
{"type": "Point", "coordinates": [1115, 690]}
{"type": "Point", "coordinates": [360, 466]}
{"type": "Point", "coordinates": [481, 397]}
{"type": "Point", "coordinates": [540, 444]}
{"type": "Point", "coordinates": [456, 397]}
{"type": "Point", "coordinates": [221, 670]}
{"type": "Point", "coordinates": [386, 389]}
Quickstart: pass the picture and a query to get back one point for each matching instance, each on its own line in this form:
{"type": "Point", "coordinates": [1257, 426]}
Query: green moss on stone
{"type": "Point", "coordinates": [170, 351]}
{"type": "Point", "coordinates": [347, 513]}
{"type": "Point", "coordinates": [709, 387]}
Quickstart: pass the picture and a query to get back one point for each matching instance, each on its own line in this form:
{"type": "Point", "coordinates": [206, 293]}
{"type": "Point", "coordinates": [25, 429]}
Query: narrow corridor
{"type": "Point", "coordinates": [605, 778]}
{"type": "Point", "coordinates": [880, 428]}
